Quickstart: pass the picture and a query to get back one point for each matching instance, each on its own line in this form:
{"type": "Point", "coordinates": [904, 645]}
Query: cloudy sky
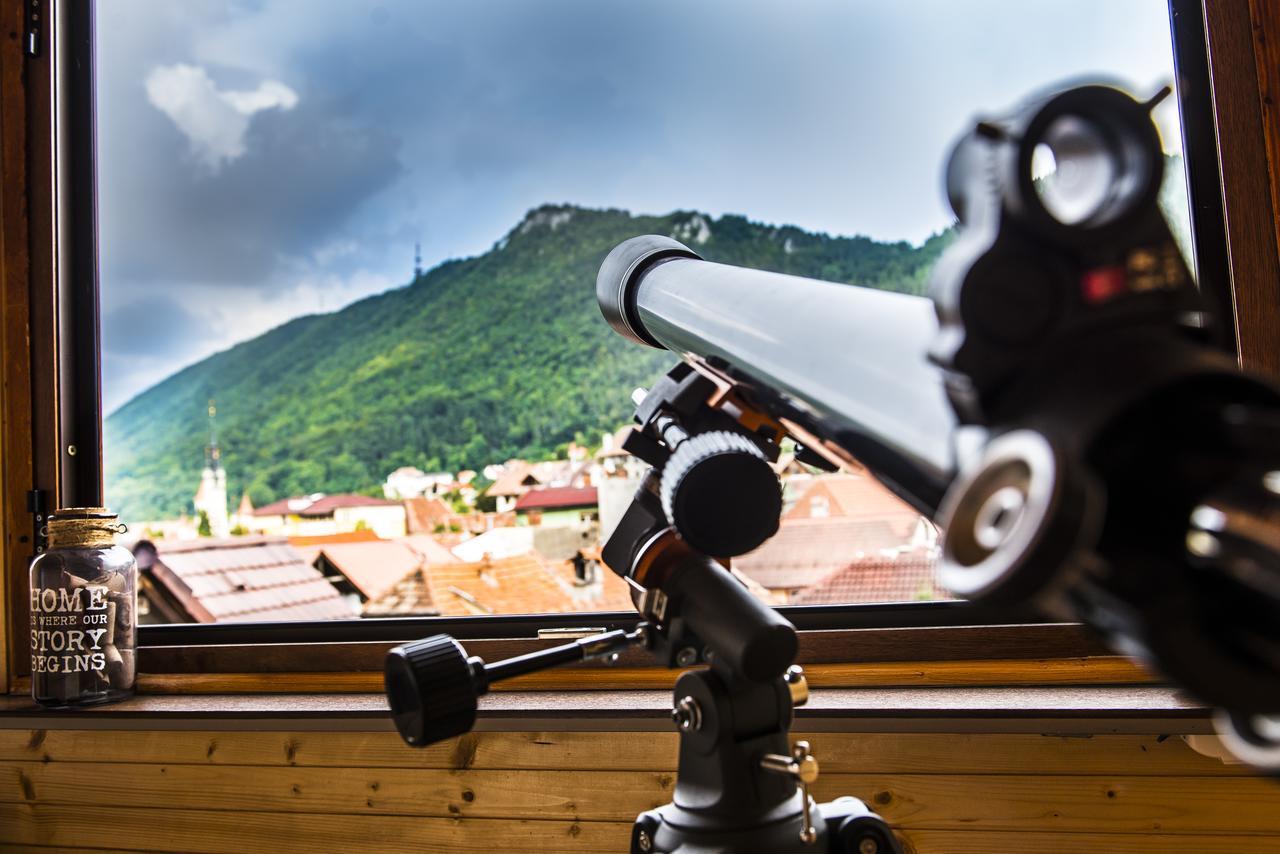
{"type": "Point", "coordinates": [263, 159]}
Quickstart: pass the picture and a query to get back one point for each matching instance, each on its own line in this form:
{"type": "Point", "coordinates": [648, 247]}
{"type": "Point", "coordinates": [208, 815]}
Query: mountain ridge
{"type": "Point", "coordinates": [477, 360]}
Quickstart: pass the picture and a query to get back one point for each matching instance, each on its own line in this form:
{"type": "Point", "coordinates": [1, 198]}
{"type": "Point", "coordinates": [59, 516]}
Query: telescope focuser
{"type": "Point", "coordinates": [719, 492]}
{"type": "Point", "coordinates": [716, 487]}
{"type": "Point", "coordinates": [433, 686]}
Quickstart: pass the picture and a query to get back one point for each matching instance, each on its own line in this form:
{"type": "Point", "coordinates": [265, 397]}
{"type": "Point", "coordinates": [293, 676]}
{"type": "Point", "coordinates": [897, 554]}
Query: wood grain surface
{"type": "Point", "coordinates": [1246, 180]}
{"type": "Point", "coordinates": [1074, 671]}
{"type": "Point", "coordinates": [1264, 16]}
{"type": "Point", "coordinates": [887, 753]}
{"type": "Point", "coordinates": [219, 791]}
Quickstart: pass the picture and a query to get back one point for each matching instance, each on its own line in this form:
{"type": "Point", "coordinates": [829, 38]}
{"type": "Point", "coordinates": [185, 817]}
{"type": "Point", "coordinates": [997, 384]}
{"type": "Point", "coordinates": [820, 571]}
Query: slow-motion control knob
{"type": "Point", "coordinates": [433, 687]}
{"type": "Point", "coordinates": [720, 493]}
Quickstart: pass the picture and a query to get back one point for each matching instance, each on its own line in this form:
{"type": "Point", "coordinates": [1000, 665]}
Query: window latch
{"type": "Point", "coordinates": [35, 18]}
{"type": "Point", "coordinates": [36, 499]}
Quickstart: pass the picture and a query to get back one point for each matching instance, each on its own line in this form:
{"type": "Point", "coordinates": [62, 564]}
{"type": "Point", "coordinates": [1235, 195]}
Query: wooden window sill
{"type": "Point", "coordinates": [1056, 709]}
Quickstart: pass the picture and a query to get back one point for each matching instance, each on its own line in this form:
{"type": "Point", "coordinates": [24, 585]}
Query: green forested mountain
{"type": "Point", "coordinates": [474, 362]}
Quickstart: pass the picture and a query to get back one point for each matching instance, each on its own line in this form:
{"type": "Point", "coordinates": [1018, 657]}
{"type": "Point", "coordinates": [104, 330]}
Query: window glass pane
{"type": "Point", "coordinates": [353, 363]}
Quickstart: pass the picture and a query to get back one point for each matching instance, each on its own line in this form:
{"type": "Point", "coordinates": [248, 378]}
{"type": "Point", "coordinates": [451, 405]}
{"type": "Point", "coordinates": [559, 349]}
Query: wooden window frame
{"type": "Point", "coordinates": [42, 414]}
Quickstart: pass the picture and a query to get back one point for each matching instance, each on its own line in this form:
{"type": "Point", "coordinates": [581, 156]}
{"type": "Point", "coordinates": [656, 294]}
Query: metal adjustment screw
{"type": "Point", "coordinates": [803, 768]}
{"type": "Point", "coordinates": [797, 685]}
{"type": "Point", "coordinates": [687, 714]}
{"type": "Point", "coordinates": [645, 841]}
{"type": "Point", "coordinates": [687, 657]}
{"type": "Point", "coordinates": [71, 450]}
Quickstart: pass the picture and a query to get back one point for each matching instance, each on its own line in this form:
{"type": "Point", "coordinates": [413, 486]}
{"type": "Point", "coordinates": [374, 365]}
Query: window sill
{"type": "Point", "coordinates": [1083, 710]}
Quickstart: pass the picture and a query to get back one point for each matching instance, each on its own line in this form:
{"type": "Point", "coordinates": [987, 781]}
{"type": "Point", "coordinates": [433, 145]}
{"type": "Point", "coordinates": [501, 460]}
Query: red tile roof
{"type": "Point", "coordinates": [514, 585]}
{"type": "Point", "coordinates": [429, 548]}
{"type": "Point", "coordinates": [424, 514]}
{"type": "Point", "coordinates": [804, 551]}
{"type": "Point", "coordinates": [900, 578]}
{"type": "Point", "coordinates": [322, 506]}
{"type": "Point", "coordinates": [605, 592]}
{"type": "Point", "coordinates": [309, 547]}
{"type": "Point", "coordinates": [362, 536]}
{"type": "Point", "coordinates": [853, 496]}
{"type": "Point", "coordinates": [557, 498]}
{"type": "Point", "coordinates": [240, 579]}
{"type": "Point", "coordinates": [372, 567]}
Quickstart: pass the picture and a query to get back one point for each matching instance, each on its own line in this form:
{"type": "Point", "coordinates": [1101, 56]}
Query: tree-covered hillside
{"type": "Point", "coordinates": [476, 361]}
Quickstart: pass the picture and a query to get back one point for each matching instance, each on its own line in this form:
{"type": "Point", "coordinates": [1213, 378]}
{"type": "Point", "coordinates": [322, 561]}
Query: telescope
{"type": "Point", "coordinates": [1060, 404]}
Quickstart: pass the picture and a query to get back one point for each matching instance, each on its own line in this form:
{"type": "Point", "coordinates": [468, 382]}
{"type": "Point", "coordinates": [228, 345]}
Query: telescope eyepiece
{"type": "Point", "coordinates": [620, 273]}
{"type": "Point", "coordinates": [1079, 162]}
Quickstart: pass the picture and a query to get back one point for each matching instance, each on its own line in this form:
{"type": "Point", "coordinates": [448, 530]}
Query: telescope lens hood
{"type": "Point", "coordinates": [620, 274]}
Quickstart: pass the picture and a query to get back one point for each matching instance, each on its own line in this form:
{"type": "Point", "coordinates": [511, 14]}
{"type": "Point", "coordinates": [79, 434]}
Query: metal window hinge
{"type": "Point", "coordinates": [36, 500]}
{"type": "Point", "coordinates": [35, 18]}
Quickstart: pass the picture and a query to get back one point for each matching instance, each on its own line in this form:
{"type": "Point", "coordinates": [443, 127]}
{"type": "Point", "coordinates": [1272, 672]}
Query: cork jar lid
{"type": "Point", "coordinates": [83, 527]}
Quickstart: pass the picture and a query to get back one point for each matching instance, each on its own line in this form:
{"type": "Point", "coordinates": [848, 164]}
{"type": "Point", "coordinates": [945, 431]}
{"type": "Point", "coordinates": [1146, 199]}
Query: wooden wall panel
{"type": "Point", "coordinates": [1235, 42]}
{"type": "Point", "coordinates": [1264, 16]}
{"type": "Point", "coordinates": [881, 753]}
{"type": "Point", "coordinates": [13, 285]}
{"type": "Point", "coordinates": [304, 791]}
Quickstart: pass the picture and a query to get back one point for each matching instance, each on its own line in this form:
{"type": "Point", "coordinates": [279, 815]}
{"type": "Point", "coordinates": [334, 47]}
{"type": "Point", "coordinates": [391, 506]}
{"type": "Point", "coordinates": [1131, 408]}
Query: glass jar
{"type": "Point", "coordinates": [84, 603]}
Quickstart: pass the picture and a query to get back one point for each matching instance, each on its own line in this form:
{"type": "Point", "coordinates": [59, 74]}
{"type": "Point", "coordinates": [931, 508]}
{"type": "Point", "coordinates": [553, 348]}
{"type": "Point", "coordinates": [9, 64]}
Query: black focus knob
{"type": "Point", "coordinates": [720, 493]}
{"type": "Point", "coordinates": [432, 688]}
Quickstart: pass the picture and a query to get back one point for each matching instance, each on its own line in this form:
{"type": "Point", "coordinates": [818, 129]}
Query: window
{"type": "Point", "coordinates": [272, 191]}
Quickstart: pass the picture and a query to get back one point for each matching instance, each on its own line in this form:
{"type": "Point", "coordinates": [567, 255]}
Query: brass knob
{"type": "Point", "coordinates": [797, 685]}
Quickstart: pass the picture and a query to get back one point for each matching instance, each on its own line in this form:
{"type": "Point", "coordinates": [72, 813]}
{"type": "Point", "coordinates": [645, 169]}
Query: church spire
{"type": "Point", "coordinates": [211, 497]}
{"type": "Point", "coordinates": [212, 454]}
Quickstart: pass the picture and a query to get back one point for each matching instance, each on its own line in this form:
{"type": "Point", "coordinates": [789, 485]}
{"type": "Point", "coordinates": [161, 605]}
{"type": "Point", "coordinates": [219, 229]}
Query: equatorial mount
{"type": "Point", "coordinates": [711, 494]}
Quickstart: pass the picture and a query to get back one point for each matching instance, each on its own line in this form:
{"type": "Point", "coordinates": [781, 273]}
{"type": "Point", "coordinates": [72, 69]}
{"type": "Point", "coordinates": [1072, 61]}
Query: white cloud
{"type": "Point", "coordinates": [214, 121]}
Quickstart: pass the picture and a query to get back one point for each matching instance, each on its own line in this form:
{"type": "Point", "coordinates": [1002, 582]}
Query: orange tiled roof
{"type": "Point", "coordinates": [515, 585]}
{"type": "Point", "coordinates": [854, 496]}
{"type": "Point", "coordinates": [424, 514]}
{"type": "Point", "coordinates": [804, 551]}
{"type": "Point", "coordinates": [362, 536]}
{"type": "Point", "coordinates": [898, 578]}
{"type": "Point", "coordinates": [429, 548]}
{"type": "Point", "coordinates": [372, 567]}
{"type": "Point", "coordinates": [606, 591]}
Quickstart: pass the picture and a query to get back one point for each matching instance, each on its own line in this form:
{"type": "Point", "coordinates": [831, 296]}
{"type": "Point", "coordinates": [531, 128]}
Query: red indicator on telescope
{"type": "Point", "coordinates": [1102, 283]}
